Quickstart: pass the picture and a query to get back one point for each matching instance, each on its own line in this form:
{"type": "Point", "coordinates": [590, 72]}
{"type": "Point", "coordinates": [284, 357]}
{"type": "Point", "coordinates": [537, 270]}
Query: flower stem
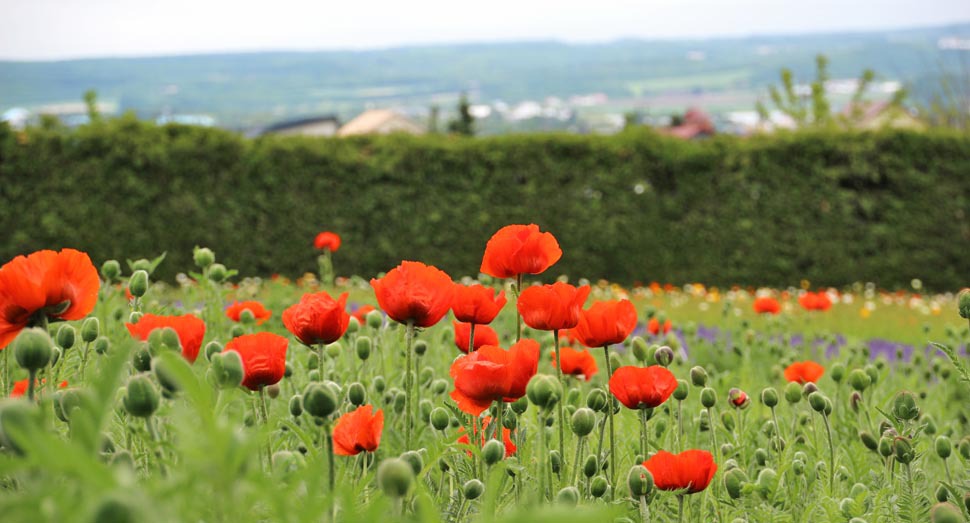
{"type": "Point", "coordinates": [644, 438]}
{"type": "Point", "coordinates": [31, 385]}
{"type": "Point", "coordinates": [408, 385]}
{"type": "Point", "coordinates": [609, 414]}
{"type": "Point", "coordinates": [471, 338]}
{"type": "Point", "coordinates": [542, 454]}
{"type": "Point", "coordinates": [562, 414]}
{"type": "Point", "coordinates": [828, 430]}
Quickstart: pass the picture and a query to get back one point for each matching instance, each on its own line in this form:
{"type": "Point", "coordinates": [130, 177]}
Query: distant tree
{"type": "Point", "coordinates": [433, 115]}
{"type": "Point", "coordinates": [464, 123]}
{"type": "Point", "coordinates": [91, 102]}
{"type": "Point", "coordinates": [632, 119]}
{"type": "Point", "coordinates": [949, 104]}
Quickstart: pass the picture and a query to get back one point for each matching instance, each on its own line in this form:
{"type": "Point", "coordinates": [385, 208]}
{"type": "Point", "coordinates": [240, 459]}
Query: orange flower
{"type": "Point", "coordinates": [190, 330]}
{"type": "Point", "coordinates": [327, 240]}
{"type": "Point", "coordinates": [692, 470]}
{"type": "Point", "coordinates": [606, 323]}
{"type": "Point", "coordinates": [60, 285]}
{"type": "Point", "coordinates": [358, 431]}
{"type": "Point", "coordinates": [804, 372]}
{"type": "Point", "coordinates": [318, 318]}
{"type": "Point", "coordinates": [815, 301]}
{"type": "Point", "coordinates": [767, 305]}
{"type": "Point", "coordinates": [552, 307]}
{"type": "Point", "coordinates": [492, 373]}
{"type": "Point", "coordinates": [416, 292]}
{"type": "Point", "coordinates": [476, 304]}
{"type": "Point", "coordinates": [20, 387]}
{"type": "Point", "coordinates": [642, 387]}
{"type": "Point", "coordinates": [520, 249]}
{"type": "Point", "coordinates": [361, 312]}
{"type": "Point", "coordinates": [653, 326]}
{"type": "Point", "coordinates": [576, 362]}
{"type": "Point", "coordinates": [260, 312]}
{"type": "Point", "coordinates": [510, 447]}
{"type": "Point", "coordinates": [484, 335]}
{"type": "Point", "coordinates": [263, 358]}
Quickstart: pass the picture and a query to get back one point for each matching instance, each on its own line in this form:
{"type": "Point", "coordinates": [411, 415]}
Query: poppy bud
{"type": "Point", "coordinates": [363, 345]}
{"type": "Point", "coordinates": [101, 345]}
{"type": "Point", "coordinates": [855, 399]}
{"type": "Point", "coordinates": [945, 513]}
{"type": "Point", "coordinates": [873, 372]}
{"type": "Point", "coordinates": [727, 419]}
{"type": "Point", "coordinates": [394, 476]}
{"type": "Point", "coordinates": [520, 405]}
{"type": "Point", "coordinates": [165, 375]}
{"type": "Point", "coordinates": [837, 372]}
{"type": "Point", "coordinates": [246, 317]}
{"type": "Point", "coordinates": [218, 272]}
{"type": "Point", "coordinates": [115, 510]}
{"type": "Point", "coordinates": [727, 449]}
{"type": "Point", "coordinates": [493, 451]}
{"type": "Point", "coordinates": [769, 397]}
{"type": "Point", "coordinates": [555, 461]}
{"type": "Point", "coordinates": [596, 400]}
{"type": "Point", "coordinates": [170, 338]}
{"type": "Point", "coordinates": [374, 319]}
{"type": "Point", "coordinates": [356, 394]}
{"type": "Point", "coordinates": [237, 331]}
{"type": "Point", "coordinates": [33, 349]}
{"type": "Point", "coordinates": [767, 482]}
{"type": "Point", "coordinates": [203, 257]}
{"type": "Point", "coordinates": [420, 347]}
{"type": "Point", "coordinates": [760, 457]}
{"type": "Point", "coordinates": [568, 496]}
{"type": "Point", "coordinates": [440, 418]}
{"type": "Point", "coordinates": [90, 329]}
{"type": "Point", "coordinates": [903, 450]}
{"type": "Point", "coordinates": [664, 356]}
{"type": "Point", "coordinates": [227, 369]}
{"type": "Point", "coordinates": [904, 406]}
{"type": "Point", "coordinates": [296, 406]}
{"type": "Point", "coordinates": [963, 303]}
{"type": "Point", "coordinates": [793, 392]}
{"type": "Point", "coordinates": [414, 460]}
{"type": "Point", "coordinates": [943, 447]}
{"type": "Point", "coordinates": [583, 421]}
{"type": "Point", "coordinates": [543, 390]}
{"type": "Point", "coordinates": [798, 467]}
{"type": "Point", "coordinates": [868, 440]}
{"type": "Point", "coordinates": [808, 389]}
{"type": "Point", "coordinates": [273, 391]}
{"type": "Point", "coordinates": [426, 375]}
{"type": "Point", "coordinates": [138, 283]}
{"type": "Point", "coordinates": [846, 506]}
{"type": "Point", "coordinates": [472, 489]}
{"type": "Point", "coordinates": [708, 397]}
{"type": "Point", "coordinates": [639, 348]}
{"type": "Point", "coordinates": [859, 380]}
{"type": "Point", "coordinates": [399, 401]}
{"type": "Point", "coordinates": [941, 494]}
{"type": "Point", "coordinates": [738, 398]}
{"type": "Point", "coordinates": [591, 466]}
{"type": "Point", "coordinates": [680, 393]}
{"type": "Point", "coordinates": [378, 384]}
{"type": "Point", "coordinates": [319, 400]}
{"type": "Point", "coordinates": [439, 386]}
{"type": "Point", "coordinates": [598, 486]}
{"type": "Point", "coordinates": [110, 269]}
{"type": "Point", "coordinates": [698, 376]}
{"type": "Point", "coordinates": [817, 401]}
{"type": "Point", "coordinates": [639, 481]}
{"type": "Point", "coordinates": [734, 481]}
{"type": "Point", "coordinates": [141, 397]}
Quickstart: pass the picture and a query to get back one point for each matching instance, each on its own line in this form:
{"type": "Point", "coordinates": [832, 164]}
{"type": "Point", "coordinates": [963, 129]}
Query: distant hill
{"type": "Point", "coordinates": [245, 90]}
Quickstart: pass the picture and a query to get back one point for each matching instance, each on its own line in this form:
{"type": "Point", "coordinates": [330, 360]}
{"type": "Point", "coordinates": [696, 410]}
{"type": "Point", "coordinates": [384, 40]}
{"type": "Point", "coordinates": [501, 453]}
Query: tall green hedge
{"type": "Point", "coordinates": [832, 208]}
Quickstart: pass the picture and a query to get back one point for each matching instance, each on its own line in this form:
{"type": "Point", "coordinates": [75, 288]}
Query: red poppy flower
{"type": "Point", "coordinates": [61, 285]}
{"type": "Point", "coordinates": [606, 323]}
{"type": "Point", "coordinates": [552, 307]}
{"type": "Point", "coordinates": [653, 326]}
{"type": "Point", "coordinates": [692, 470]}
{"type": "Point", "coordinates": [190, 330]}
{"type": "Point", "coordinates": [20, 387]}
{"type": "Point", "coordinates": [510, 447]}
{"type": "Point", "coordinates": [361, 312]}
{"type": "Point", "coordinates": [520, 249]}
{"type": "Point", "coordinates": [484, 335]}
{"type": "Point", "coordinates": [260, 312]}
{"type": "Point", "coordinates": [416, 292]}
{"type": "Point", "coordinates": [358, 431]}
{"type": "Point", "coordinates": [492, 373]}
{"type": "Point", "coordinates": [804, 372]}
{"type": "Point", "coordinates": [642, 387]}
{"type": "Point", "coordinates": [318, 318]}
{"type": "Point", "coordinates": [327, 240]}
{"type": "Point", "coordinates": [815, 301]}
{"type": "Point", "coordinates": [263, 357]}
{"type": "Point", "coordinates": [767, 305]}
{"type": "Point", "coordinates": [738, 398]}
{"type": "Point", "coordinates": [476, 304]}
{"type": "Point", "coordinates": [576, 362]}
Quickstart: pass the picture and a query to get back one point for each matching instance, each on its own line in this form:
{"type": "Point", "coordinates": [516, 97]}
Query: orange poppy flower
{"type": "Point", "coordinates": [815, 301]}
{"type": "Point", "coordinates": [416, 292]}
{"type": "Point", "coordinates": [692, 470]}
{"type": "Point", "coordinates": [20, 387]}
{"type": "Point", "coordinates": [60, 285]}
{"type": "Point", "coordinates": [606, 323]}
{"type": "Point", "coordinates": [510, 447]}
{"type": "Point", "coordinates": [358, 431]}
{"type": "Point", "coordinates": [642, 387]}
{"type": "Point", "coordinates": [653, 326]}
{"type": "Point", "coordinates": [804, 372]}
{"type": "Point", "coordinates": [361, 312]}
{"type": "Point", "coordinates": [190, 330]}
{"type": "Point", "coordinates": [484, 335]}
{"type": "Point", "coordinates": [520, 249]}
{"type": "Point", "coordinates": [327, 240]}
{"type": "Point", "coordinates": [260, 312]}
{"type": "Point", "coordinates": [263, 358]}
{"type": "Point", "coordinates": [576, 362]}
{"type": "Point", "coordinates": [476, 304]}
{"type": "Point", "coordinates": [552, 307]}
{"type": "Point", "coordinates": [767, 305]}
{"type": "Point", "coordinates": [317, 318]}
{"type": "Point", "coordinates": [492, 373]}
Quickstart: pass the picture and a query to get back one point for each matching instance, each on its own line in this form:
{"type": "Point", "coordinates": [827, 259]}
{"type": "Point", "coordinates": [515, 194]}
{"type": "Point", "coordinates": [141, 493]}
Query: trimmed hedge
{"type": "Point", "coordinates": [832, 208]}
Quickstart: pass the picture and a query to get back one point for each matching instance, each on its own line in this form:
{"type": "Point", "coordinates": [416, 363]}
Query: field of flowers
{"type": "Point", "coordinates": [512, 396]}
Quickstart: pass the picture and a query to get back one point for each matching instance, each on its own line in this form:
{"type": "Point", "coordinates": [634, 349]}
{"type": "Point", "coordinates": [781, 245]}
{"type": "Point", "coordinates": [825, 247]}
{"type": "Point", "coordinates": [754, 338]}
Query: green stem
{"type": "Point", "coordinates": [579, 451]}
{"type": "Point", "coordinates": [156, 441]}
{"type": "Point", "coordinates": [320, 352]}
{"type": "Point", "coordinates": [828, 430]}
{"type": "Point", "coordinates": [471, 339]}
{"type": "Point", "coordinates": [330, 458]}
{"type": "Point", "coordinates": [680, 508]}
{"type": "Point", "coordinates": [31, 385]}
{"type": "Point", "coordinates": [408, 386]}
{"type": "Point", "coordinates": [644, 439]}
{"type": "Point", "coordinates": [644, 511]}
{"type": "Point", "coordinates": [265, 413]}
{"type": "Point", "coordinates": [542, 454]}
{"type": "Point", "coordinates": [561, 407]}
{"type": "Point", "coordinates": [609, 414]}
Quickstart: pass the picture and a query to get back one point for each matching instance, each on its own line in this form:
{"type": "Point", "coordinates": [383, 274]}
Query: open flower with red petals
{"type": "Point", "coordinates": [484, 335]}
{"type": "Point", "coordinates": [20, 387]}
{"type": "Point", "coordinates": [59, 285]}
{"type": "Point", "coordinates": [510, 447]}
{"type": "Point", "coordinates": [358, 431]}
{"type": "Point", "coordinates": [692, 470]}
{"type": "Point", "coordinates": [804, 372]}
{"type": "Point", "coordinates": [767, 305]}
{"type": "Point", "coordinates": [642, 387]}
{"type": "Point", "coordinates": [576, 362]}
{"type": "Point", "coordinates": [520, 249]}
{"type": "Point", "coordinates": [327, 240]}
{"type": "Point", "coordinates": [552, 307]}
{"type": "Point", "coordinates": [261, 313]}
{"type": "Point", "coordinates": [476, 304]}
{"type": "Point", "coordinates": [317, 318]}
{"type": "Point", "coordinates": [653, 326]}
{"type": "Point", "coordinates": [414, 292]}
{"type": "Point", "coordinates": [189, 327]}
{"type": "Point", "coordinates": [815, 301]}
{"type": "Point", "coordinates": [263, 357]}
{"type": "Point", "coordinates": [606, 323]}
{"type": "Point", "coordinates": [492, 373]}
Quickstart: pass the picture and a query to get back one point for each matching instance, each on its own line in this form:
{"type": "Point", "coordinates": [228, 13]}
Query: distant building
{"type": "Point", "coordinates": [200, 120]}
{"type": "Point", "coordinates": [696, 124]}
{"type": "Point", "coordinates": [878, 115]}
{"type": "Point", "coordinates": [316, 126]}
{"type": "Point", "coordinates": [380, 121]}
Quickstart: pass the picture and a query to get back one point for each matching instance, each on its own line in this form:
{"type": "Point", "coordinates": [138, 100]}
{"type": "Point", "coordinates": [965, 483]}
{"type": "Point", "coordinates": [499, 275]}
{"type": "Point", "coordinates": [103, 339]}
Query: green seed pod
{"type": "Point", "coordinates": [837, 372]}
{"type": "Point", "coordinates": [420, 347]}
{"type": "Point", "coordinates": [203, 257]}
{"type": "Point", "coordinates": [439, 386]}
{"type": "Point", "coordinates": [333, 350]}
{"type": "Point", "coordinates": [414, 460]}
{"type": "Point", "coordinates": [964, 447]}
{"type": "Point", "coordinates": [869, 440]}
{"type": "Point", "coordinates": [728, 420]}
{"type": "Point", "coordinates": [568, 496]}
{"type": "Point", "coordinates": [227, 369]}
{"type": "Point", "coordinates": [493, 452]}
{"type": "Point", "coordinates": [90, 329]}
{"type": "Point", "coordinates": [363, 347]}
{"type": "Point", "coordinates": [246, 317]}
{"type": "Point", "coordinates": [859, 380]}
{"type": "Point", "coordinates": [945, 513]}
{"type": "Point", "coordinates": [33, 349]}
{"type": "Point", "coordinates": [583, 421]}
{"type": "Point", "coordinates": [395, 477]}
{"type": "Point", "coordinates": [273, 391]}
{"type": "Point", "coordinates": [296, 406]}
{"type": "Point", "coordinates": [555, 460]}
{"type": "Point", "coordinates": [698, 376]}
{"type": "Point", "coordinates": [734, 481]}
{"type": "Point", "coordinates": [760, 457]}
{"type": "Point", "coordinates": [793, 393]}
{"type": "Point", "coordinates": [904, 406]}
{"type": "Point", "coordinates": [640, 348]}
{"type": "Point", "coordinates": [903, 450]}
{"type": "Point", "coordinates": [138, 283]}
{"type": "Point", "coordinates": [101, 345]}
{"type": "Point", "coordinates": [817, 401]}
{"type": "Point", "coordinates": [846, 507]}
{"type": "Point", "coordinates": [379, 384]}
{"type": "Point", "coordinates": [520, 405]}
{"type": "Point", "coordinates": [170, 338]}
{"type": "Point", "coordinates": [944, 447]}
{"type": "Point", "coordinates": [141, 359]}
{"type": "Point", "coordinates": [873, 372]}
{"type": "Point", "coordinates": [544, 390]}
{"type": "Point", "coordinates": [591, 466]}
{"type": "Point", "coordinates": [727, 449]}
{"type": "Point", "coordinates": [165, 375]}
{"type": "Point", "coordinates": [237, 330]}
{"type": "Point", "coordinates": [767, 482]}
{"type": "Point", "coordinates": [319, 400]}
{"type": "Point", "coordinates": [680, 393]}
{"type": "Point", "coordinates": [596, 400]}
{"type": "Point", "coordinates": [400, 399]}
{"type": "Point", "coordinates": [769, 397]}
{"type": "Point", "coordinates": [598, 486]}
{"type": "Point", "coordinates": [440, 418]}
{"type": "Point", "coordinates": [639, 481]}
{"type": "Point", "coordinates": [963, 303]}
{"type": "Point", "coordinates": [110, 270]}
{"type": "Point", "coordinates": [218, 272]}
{"type": "Point", "coordinates": [472, 489]}
{"type": "Point", "coordinates": [885, 446]}
{"type": "Point", "coordinates": [798, 467]}
{"type": "Point", "coordinates": [141, 397]}
{"type": "Point", "coordinates": [135, 317]}
{"type": "Point", "coordinates": [356, 394]}
{"type": "Point", "coordinates": [212, 348]}
{"type": "Point", "coordinates": [941, 493]}
{"type": "Point", "coordinates": [374, 319]}
{"type": "Point", "coordinates": [664, 356]}
{"type": "Point", "coordinates": [426, 375]}
{"type": "Point", "coordinates": [808, 389]}
{"type": "Point", "coordinates": [615, 360]}
{"type": "Point", "coordinates": [424, 410]}
{"type": "Point", "coordinates": [115, 510]}
{"type": "Point", "coordinates": [708, 397]}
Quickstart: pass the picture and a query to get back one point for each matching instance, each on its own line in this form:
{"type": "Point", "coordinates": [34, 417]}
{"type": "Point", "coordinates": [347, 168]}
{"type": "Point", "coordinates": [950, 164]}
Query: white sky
{"type": "Point", "coordinates": [58, 29]}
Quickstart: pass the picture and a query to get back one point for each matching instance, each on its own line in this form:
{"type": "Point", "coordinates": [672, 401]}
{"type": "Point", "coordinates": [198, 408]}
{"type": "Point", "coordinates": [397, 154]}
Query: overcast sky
{"type": "Point", "coordinates": [58, 29]}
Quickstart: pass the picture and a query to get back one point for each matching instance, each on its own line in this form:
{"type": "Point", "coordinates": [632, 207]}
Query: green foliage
{"type": "Point", "coordinates": [830, 207]}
